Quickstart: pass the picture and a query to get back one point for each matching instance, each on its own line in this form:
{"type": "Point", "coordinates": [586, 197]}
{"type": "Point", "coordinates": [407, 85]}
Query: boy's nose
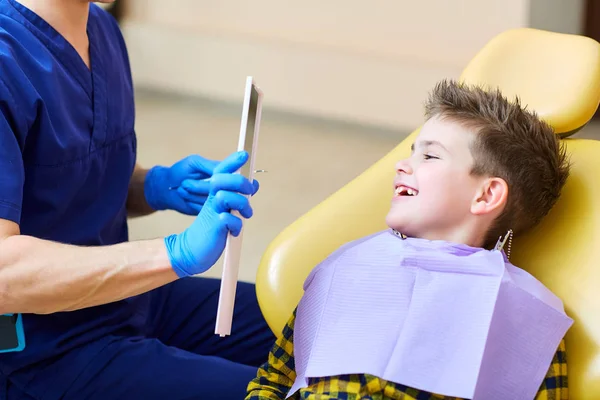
{"type": "Point", "coordinates": [404, 166]}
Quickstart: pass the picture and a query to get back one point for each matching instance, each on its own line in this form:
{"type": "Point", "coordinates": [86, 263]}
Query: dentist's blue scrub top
{"type": "Point", "coordinates": [67, 152]}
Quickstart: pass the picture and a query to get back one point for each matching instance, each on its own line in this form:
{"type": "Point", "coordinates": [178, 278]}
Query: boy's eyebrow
{"type": "Point", "coordinates": [427, 143]}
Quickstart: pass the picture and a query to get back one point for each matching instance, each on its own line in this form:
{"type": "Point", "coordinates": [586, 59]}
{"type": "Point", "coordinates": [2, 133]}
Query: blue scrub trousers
{"type": "Point", "coordinates": [179, 356]}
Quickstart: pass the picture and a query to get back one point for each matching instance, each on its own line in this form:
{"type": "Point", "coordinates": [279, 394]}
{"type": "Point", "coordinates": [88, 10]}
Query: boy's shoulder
{"type": "Point", "coordinates": [524, 279]}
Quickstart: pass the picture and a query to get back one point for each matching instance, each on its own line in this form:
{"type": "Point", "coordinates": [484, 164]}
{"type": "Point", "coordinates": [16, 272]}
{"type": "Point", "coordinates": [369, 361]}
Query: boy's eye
{"type": "Point", "coordinates": [429, 157]}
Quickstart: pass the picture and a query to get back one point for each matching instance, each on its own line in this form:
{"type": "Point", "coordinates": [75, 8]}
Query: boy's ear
{"type": "Point", "coordinates": [491, 197]}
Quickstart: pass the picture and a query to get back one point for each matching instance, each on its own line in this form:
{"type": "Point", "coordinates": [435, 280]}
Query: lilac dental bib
{"type": "Point", "coordinates": [438, 317]}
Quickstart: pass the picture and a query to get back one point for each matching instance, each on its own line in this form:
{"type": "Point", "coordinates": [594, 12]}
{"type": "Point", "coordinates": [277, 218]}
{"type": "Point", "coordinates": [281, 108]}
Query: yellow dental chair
{"type": "Point", "coordinates": [558, 76]}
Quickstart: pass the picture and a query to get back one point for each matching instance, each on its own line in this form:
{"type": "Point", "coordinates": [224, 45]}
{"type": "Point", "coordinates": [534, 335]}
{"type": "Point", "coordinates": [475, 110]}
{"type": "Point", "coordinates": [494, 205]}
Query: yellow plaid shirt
{"type": "Point", "coordinates": [276, 376]}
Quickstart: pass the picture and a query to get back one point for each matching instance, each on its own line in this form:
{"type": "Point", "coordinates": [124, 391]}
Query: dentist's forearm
{"type": "Point", "coordinates": [38, 276]}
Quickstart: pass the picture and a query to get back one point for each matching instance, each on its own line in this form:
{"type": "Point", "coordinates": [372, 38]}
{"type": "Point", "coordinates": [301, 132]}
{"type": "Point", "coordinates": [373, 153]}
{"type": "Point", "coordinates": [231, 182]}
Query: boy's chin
{"type": "Point", "coordinates": [404, 223]}
{"type": "Point", "coordinates": [396, 222]}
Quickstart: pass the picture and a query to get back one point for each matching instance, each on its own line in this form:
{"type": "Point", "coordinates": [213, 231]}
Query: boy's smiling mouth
{"type": "Point", "coordinates": [402, 190]}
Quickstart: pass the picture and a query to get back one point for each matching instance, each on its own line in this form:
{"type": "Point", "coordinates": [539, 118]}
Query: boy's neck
{"type": "Point", "coordinates": [468, 235]}
{"type": "Point", "coordinates": [67, 17]}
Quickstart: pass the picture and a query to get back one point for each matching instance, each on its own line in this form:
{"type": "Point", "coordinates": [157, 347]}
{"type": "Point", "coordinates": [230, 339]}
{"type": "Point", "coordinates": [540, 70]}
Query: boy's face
{"type": "Point", "coordinates": [434, 189]}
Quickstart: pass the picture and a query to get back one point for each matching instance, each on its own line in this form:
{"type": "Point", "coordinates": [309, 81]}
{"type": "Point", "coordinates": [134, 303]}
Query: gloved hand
{"type": "Point", "coordinates": [197, 248]}
{"type": "Point", "coordinates": [182, 187]}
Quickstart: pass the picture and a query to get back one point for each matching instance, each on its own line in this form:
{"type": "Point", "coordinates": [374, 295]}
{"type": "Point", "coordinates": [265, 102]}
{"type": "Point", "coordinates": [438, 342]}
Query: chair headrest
{"type": "Point", "coordinates": [555, 74]}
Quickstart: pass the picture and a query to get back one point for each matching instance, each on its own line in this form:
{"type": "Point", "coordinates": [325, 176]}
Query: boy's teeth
{"type": "Point", "coordinates": [400, 190]}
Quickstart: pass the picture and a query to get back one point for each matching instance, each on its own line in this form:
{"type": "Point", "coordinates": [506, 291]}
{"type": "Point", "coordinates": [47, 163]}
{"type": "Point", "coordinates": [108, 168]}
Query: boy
{"type": "Point", "coordinates": [480, 166]}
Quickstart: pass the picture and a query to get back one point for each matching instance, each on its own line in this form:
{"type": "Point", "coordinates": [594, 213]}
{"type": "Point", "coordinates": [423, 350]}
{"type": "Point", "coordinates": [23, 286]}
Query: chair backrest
{"type": "Point", "coordinates": [558, 76]}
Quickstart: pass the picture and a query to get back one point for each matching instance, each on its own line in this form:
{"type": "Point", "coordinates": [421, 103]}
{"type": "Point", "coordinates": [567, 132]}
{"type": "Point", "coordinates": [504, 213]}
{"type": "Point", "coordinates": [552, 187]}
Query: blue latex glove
{"type": "Point", "coordinates": [182, 187]}
{"type": "Point", "coordinates": [197, 248]}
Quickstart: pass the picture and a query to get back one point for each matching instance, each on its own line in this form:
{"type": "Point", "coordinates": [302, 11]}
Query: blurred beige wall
{"type": "Point", "coordinates": [370, 62]}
